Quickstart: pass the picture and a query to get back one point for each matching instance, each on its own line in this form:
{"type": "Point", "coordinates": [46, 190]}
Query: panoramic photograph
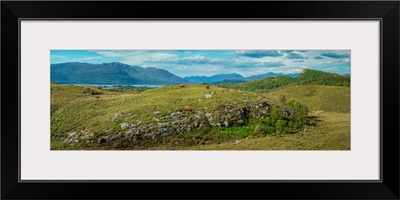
{"type": "Point", "coordinates": [200, 99]}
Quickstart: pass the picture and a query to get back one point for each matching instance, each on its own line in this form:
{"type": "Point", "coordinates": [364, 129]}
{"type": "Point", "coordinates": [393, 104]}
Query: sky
{"type": "Point", "coordinates": [210, 62]}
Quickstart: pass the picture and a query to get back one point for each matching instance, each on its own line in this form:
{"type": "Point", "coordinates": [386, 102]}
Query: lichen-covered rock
{"type": "Point", "coordinates": [115, 117]}
{"type": "Point", "coordinates": [124, 125]}
{"type": "Point", "coordinates": [101, 140]}
{"type": "Point", "coordinates": [177, 121]}
{"type": "Point", "coordinates": [115, 137]}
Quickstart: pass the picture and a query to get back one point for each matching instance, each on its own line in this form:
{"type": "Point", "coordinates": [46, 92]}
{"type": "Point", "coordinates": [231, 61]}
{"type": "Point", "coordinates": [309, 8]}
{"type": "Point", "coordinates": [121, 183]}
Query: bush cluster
{"type": "Point", "coordinates": [120, 88]}
{"type": "Point", "coordinates": [91, 91]}
{"type": "Point", "coordinates": [285, 117]}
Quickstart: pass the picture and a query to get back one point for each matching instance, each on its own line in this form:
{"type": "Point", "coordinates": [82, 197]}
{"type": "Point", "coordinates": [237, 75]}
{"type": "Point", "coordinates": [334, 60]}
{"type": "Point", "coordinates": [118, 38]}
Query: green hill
{"type": "Point", "coordinates": [307, 74]}
{"type": "Point", "coordinates": [317, 97]}
{"type": "Point", "coordinates": [62, 95]}
{"type": "Point", "coordinates": [331, 133]}
{"type": "Point", "coordinates": [329, 105]}
{"type": "Point", "coordinates": [315, 77]}
{"type": "Point", "coordinates": [263, 85]}
{"type": "Point", "coordinates": [230, 80]}
{"type": "Point", "coordinates": [306, 77]}
{"type": "Point", "coordinates": [90, 118]}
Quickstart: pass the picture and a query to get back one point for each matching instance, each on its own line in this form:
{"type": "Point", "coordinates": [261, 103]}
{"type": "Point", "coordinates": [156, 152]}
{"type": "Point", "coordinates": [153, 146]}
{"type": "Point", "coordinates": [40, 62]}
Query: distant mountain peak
{"type": "Point", "coordinates": [111, 73]}
{"type": "Point", "coordinates": [213, 79]}
{"type": "Point", "coordinates": [115, 64]}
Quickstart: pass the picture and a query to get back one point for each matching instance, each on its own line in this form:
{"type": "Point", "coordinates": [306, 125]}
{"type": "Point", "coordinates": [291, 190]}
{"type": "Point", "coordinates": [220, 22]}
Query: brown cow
{"type": "Point", "coordinates": [182, 85]}
{"type": "Point", "coordinates": [207, 87]}
{"type": "Point", "coordinates": [188, 108]}
{"type": "Point", "coordinates": [97, 97]}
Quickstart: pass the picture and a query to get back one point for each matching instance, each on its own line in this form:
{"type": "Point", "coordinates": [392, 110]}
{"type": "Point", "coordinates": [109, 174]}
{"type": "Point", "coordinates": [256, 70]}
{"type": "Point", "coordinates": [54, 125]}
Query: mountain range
{"type": "Point", "coordinates": [213, 79]}
{"type": "Point", "coordinates": [111, 73]}
{"type": "Point", "coordinates": [234, 77]}
{"type": "Point", "coordinates": [123, 74]}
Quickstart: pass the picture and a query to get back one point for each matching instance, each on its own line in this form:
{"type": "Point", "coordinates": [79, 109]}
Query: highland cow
{"type": "Point", "coordinates": [188, 108]}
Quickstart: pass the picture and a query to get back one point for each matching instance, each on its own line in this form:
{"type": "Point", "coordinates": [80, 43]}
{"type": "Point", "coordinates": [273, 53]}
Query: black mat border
{"type": "Point", "coordinates": [387, 12]}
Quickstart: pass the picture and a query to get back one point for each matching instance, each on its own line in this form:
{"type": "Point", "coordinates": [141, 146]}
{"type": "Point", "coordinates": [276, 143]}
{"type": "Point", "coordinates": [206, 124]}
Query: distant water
{"type": "Point", "coordinates": [152, 86]}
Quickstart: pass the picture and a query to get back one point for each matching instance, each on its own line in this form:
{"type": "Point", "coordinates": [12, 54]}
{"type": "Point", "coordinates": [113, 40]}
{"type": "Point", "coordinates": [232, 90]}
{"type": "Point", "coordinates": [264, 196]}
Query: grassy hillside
{"type": "Point", "coordinates": [329, 105]}
{"type": "Point", "coordinates": [307, 74]}
{"type": "Point", "coordinates": [306, 77]}
{"type": "Point", "coordinates": [317, 97]}
{"type": "Point", "coordinates": [62, 95]}
{"type": "Point", "coordinates": [331, 133]}
{"type": "Point", "coordinates": [218, 119]}
{"type": "Point", "coordinates": [263, 85]}
{"type": "Point", "coordinates": [90, 118]}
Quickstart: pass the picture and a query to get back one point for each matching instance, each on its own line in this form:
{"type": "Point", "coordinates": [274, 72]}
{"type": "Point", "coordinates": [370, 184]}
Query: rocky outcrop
{"type": "Point", "coordinates": [178, 121]}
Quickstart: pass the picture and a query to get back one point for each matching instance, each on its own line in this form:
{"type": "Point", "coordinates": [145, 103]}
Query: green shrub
{"type": "Point", "coordinates": [281, 126]}
{"type": "Point", "coordinates": [276, 113]}
{"type": "Point", "coordinates": [289, 116]}
{"type": "Point", "coordinates": [269, 129]}
{"type": "Point", "coordinates": [258, 129]}
{"type": "Point", "coordinates": [290, 124]}
{"type": "Point", "coordinates": [240, 122]}
{"type": "Point", "coordinates": [298, 111]}
{"type": "Point", "coordinates": [91, 91]}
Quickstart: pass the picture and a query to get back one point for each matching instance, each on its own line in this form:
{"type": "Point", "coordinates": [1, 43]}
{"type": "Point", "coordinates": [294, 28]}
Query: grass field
{"type": "Point", "coordinates": [331, 133]}
{"type": "Point", "coordinates": [85, 118]}
{"type": "Point", "coordinates": [317, 97]}
{"type": "Point", "coordinates": [329, 105]}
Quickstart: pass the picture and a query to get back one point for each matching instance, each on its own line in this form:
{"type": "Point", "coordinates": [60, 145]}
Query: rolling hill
{"type": "Point", "coordinates": [200, 117]}
{"type": "Point", "coordinates": [317, 97]}
{"type": "Point", "coordinates": [92, 118]}
{"type": "Point", "coordinates": [270, 74]}
{"type": "Point", "coordinates": [306, 77]}
{"type": "Point", "coordinates": [330, 105]}
{"type": "Point", "coordinates": [88, 117]}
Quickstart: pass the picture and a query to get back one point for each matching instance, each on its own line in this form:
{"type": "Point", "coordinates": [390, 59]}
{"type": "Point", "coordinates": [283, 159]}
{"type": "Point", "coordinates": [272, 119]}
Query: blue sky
{"type": "Point", "coordinates": [210, 62]}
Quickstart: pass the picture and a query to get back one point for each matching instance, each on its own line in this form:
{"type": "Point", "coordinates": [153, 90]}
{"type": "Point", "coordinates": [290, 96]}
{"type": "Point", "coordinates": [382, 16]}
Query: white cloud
{"type": "Point", "coordinates": [207, 63]}
{"type": "Point", "coordinates": [134, 57]}
{"type": "Point", "coordinates": [58, 57]}
{"type": "Point", "coordinates": [332, 69]}
{"type": "Point", "coordinates": [112, 54]}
